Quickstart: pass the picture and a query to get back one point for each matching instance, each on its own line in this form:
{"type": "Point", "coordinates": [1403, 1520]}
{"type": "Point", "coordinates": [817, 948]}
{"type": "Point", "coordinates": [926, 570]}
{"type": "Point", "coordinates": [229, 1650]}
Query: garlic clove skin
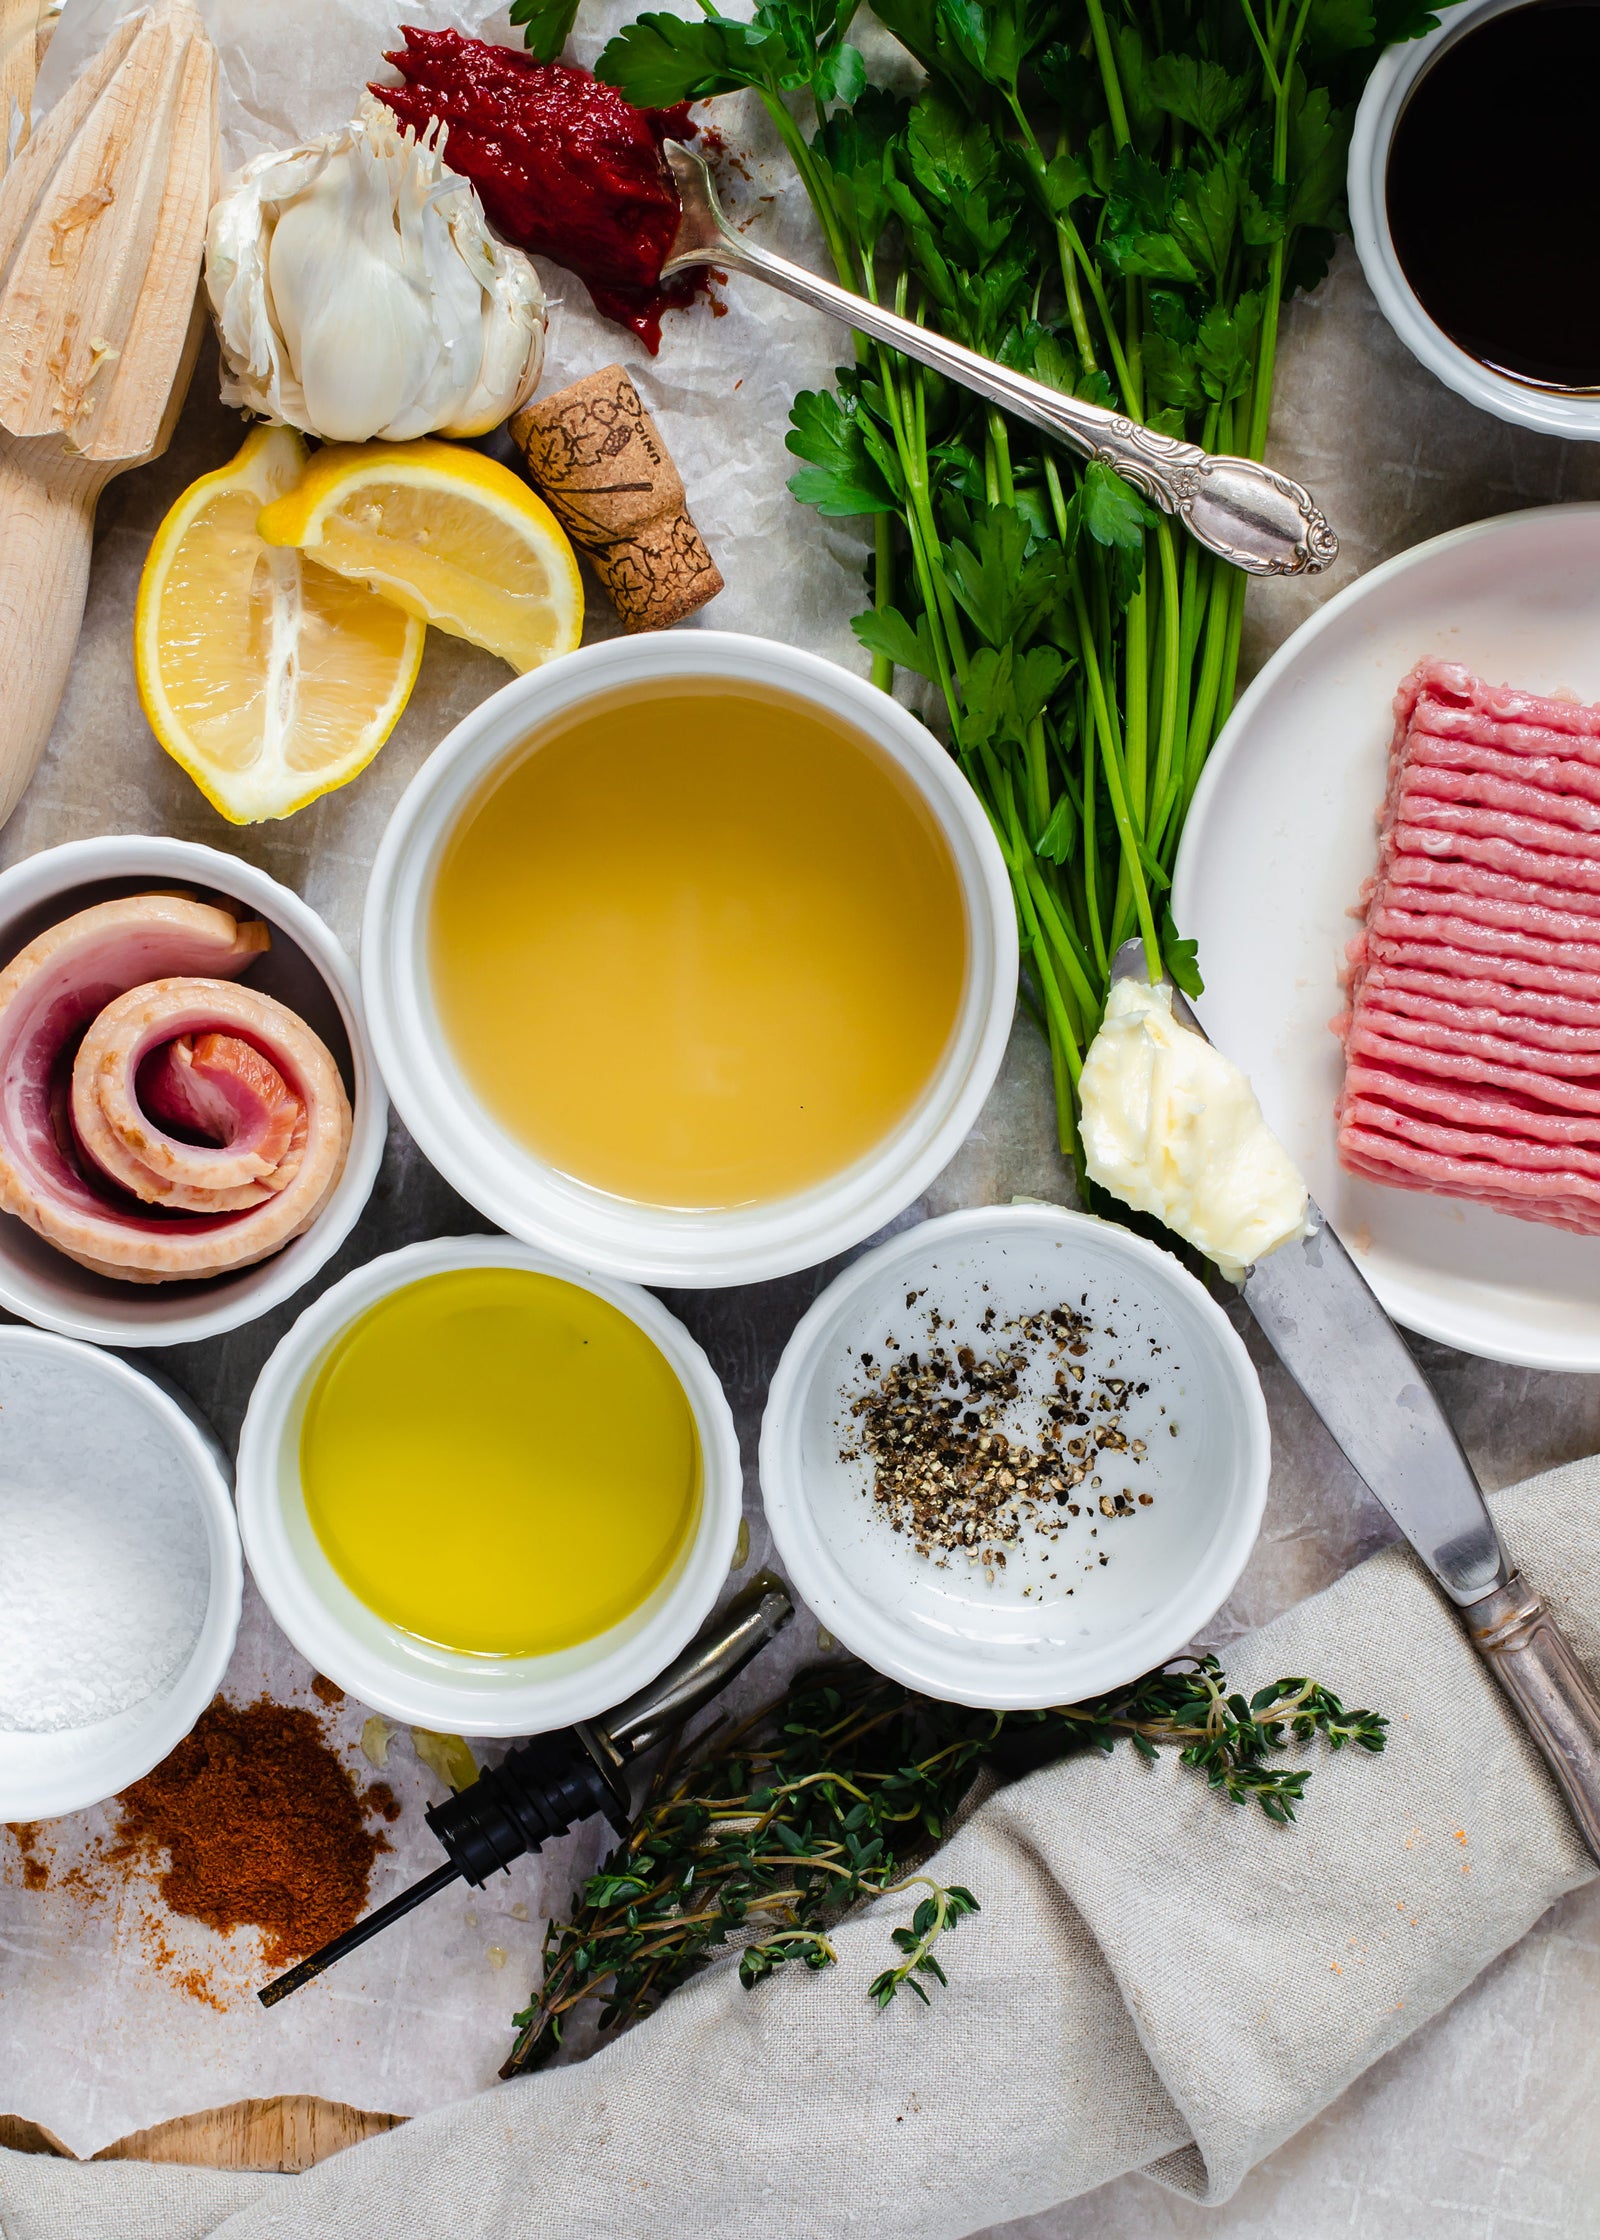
{"type": "Point", "coordinates": [348, 319]}
{"type": "Point", "coordinates": [358, 291]}
{"type": "Point", "coordinates": [507, 368]}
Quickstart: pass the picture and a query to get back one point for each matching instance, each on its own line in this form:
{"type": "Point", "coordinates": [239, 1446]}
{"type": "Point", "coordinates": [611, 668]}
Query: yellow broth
{"type": "Point", "coordinates": [699, 947]}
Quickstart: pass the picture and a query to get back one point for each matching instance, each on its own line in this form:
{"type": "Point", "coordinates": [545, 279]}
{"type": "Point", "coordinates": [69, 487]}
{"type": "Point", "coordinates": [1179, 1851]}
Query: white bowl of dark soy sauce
{"type": "Point", "coordinates": [1475, 206]}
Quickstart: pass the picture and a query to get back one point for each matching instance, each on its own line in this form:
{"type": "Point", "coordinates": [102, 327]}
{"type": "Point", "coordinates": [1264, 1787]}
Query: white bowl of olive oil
{"type": "Point", "coordinates": [485, 1491]}
{"type": "Point", "coordinates": [690, 957]}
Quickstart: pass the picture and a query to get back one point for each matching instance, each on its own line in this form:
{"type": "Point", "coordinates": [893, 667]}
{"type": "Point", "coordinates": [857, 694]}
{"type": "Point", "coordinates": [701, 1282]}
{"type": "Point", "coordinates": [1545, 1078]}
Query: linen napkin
{"type": "Point", "coordinates": [1157, 1980]}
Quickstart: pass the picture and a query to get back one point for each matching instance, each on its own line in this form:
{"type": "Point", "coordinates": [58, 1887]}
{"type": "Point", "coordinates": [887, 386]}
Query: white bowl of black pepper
{"type": "Point", "coordinates": [1015, 1457]}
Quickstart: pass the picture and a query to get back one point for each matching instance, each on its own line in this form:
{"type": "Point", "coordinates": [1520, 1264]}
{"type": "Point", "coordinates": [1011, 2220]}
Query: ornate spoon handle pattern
{"type": "Point", "coordinates": [1247, 512]}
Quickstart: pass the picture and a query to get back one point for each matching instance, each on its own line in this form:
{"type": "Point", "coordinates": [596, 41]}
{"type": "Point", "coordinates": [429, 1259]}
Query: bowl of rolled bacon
{"type": "Point", "coordinates": [191, 1118]}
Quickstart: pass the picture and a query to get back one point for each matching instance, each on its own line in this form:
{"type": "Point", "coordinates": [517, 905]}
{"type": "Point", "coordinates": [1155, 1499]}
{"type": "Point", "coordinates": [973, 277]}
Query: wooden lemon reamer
{"type": "Point", "coordinates": [102, 233]}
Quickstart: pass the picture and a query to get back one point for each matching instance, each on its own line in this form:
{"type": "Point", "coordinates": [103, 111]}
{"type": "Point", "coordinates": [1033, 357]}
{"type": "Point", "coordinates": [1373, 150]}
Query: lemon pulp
{"type": "Point", "coordinates": [269, 679]}
{"type": "Point", "coordinates": [499, 1462]}
{"type": "Point", "coordinates": [452, 537]}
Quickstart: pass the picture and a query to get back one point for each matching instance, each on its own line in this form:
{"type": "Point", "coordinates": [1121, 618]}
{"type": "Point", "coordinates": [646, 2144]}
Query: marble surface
{"type": "Point", "coordinates": [1481, 2125]}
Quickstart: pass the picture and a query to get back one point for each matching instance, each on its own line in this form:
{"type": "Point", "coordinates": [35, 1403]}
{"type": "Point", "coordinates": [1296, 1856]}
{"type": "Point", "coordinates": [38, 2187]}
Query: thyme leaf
{"type": "Point", "coordinates": [766, 1833]}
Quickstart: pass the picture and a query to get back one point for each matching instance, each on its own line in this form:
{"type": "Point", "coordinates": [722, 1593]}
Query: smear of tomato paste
{"type": "Point", "coordinates": [564, 166]}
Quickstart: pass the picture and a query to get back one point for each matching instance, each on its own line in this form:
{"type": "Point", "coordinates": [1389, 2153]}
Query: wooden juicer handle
{"type": "Point", "coordinates": [47, 502]}
{"type": "Point", "coordinates": [102, 232]}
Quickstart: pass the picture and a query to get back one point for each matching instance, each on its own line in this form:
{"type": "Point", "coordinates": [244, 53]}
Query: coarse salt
{"type": "Point", "coordinates": [104, 1559]}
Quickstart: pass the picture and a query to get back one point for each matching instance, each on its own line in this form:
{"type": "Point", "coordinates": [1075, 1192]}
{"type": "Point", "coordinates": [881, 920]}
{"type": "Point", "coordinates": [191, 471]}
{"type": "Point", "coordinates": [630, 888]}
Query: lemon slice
{"type": "Point", "coordinates": [449, 535]}
{"type": "Point", "coordinates": [268, 679]}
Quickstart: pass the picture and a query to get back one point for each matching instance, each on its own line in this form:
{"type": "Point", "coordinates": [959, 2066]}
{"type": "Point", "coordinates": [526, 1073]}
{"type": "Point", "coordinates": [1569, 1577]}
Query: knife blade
{"type": "Point", "coordinates": [1323, 1321]}
{"type": "Point", "coordinates": [1319, 1314]}
{"type": "Point", "coordinates": [1328, 1328]}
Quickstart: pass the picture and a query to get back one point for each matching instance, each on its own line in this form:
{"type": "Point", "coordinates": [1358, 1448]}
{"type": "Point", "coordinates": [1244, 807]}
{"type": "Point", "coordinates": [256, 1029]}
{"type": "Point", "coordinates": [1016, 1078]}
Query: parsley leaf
{"type": "Point", "coordinates": [1169, 373]}
{"type": "Point", "coordinates": [840, 75]}
{"type": "Point", "coordinates": [1199, 94]}
{"type": "Point", "coordinates": [1319, 138]}
{"type": "Point", "coordinates": [844, 476]}
{"type": "Point", "coordinates": [1112, 510]}
{"type": "Point", "coordinates": [546, 25]}
{"type": "Point", "coordinates": [885, 630]}
{"type": "Point", "coordinates": [1060, 836]}
{"type": "Point", "coordinates": [660, 60]}
{"type": "Point", "coordinates": [1205, 215]}
{"type": "Point", "coordinates": [1225, 348]}
{"type": "Point", "coordinates": [1002, 583]}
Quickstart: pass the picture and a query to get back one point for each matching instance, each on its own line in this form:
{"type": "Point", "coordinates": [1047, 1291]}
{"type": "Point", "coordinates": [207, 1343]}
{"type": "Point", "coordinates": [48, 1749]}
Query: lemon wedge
{"type": "Point", "coordinates": [448, 535]}
{"type": "Point", "coordinates": [268, 679]}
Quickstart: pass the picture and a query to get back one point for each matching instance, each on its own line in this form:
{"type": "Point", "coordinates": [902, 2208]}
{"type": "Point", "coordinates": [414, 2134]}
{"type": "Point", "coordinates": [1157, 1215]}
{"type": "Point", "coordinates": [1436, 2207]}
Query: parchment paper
{"type": "Point", "coordinates": [1450, 2134]}
{"type": "Point", "coordinates": [97, 2035]}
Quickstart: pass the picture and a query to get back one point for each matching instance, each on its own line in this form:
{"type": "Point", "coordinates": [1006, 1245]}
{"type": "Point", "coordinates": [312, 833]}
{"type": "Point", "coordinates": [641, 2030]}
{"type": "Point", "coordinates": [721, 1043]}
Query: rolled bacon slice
{"type": "Point", "coordinates": [124, 1024]}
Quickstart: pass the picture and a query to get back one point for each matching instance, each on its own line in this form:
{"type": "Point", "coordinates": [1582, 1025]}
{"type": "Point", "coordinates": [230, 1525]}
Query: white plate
{"type": "Point", "coordinates": [1281, 835]}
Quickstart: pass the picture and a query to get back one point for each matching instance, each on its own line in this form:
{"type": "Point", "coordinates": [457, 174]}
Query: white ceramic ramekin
{"type": "Point", "coordinates": [305, 968]}
{"type": "Point", "coordinates": [504, 1179]}
{"type": "Point", "coordinates": [1387, 91]}
{"type": "Point", "coordinates": [43, 1776]}
{"type": "Point", "coordinates": [1015, 1639]}
{"type": "Point", "coordinates": [392, 1670]}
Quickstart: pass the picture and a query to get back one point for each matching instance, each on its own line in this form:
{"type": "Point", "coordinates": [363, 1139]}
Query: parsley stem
{"type": "Point", "coordinates": [1264, 48]}
{"type": "Point", "coordinates": [1064, 254]}
{"type": "Point", "coordinates": [1136, 700]}
{"type": "Point", "coordinates": [794, 141]}
{"type": "Point", "coordinates": [1074, 963]}
{"type": "Point", "coordinates": [1116, 786]}
{"type": "Point", "coordinates": [1174, 680]}
{"type": "Point", "coordinates": [1106, 57]}
{"type": "Point", "coordinates": [882, 591]}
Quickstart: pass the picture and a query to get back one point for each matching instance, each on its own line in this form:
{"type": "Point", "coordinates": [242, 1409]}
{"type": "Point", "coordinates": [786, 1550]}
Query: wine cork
{"type": "Point", "coordinates": [595, 457]}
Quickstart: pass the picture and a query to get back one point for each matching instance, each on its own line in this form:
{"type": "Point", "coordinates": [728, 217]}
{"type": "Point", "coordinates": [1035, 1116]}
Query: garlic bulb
{"type": "Point", "coordinates": [359, 292]}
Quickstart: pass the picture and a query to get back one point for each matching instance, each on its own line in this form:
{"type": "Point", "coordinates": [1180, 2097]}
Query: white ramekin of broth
{"type": "Point", "coordinates": [1011, 1636]}
{"type": "Point", "coordinates": [503, 1177]}
{"type": "Point", "coordinates": [393, 1670]}
{"type": "Point", "coordinates": [1396, 76]}
{"type": "Point", "coordinates": [88, 1403]}
{"type": "Point", "coordinates": [305, 968]}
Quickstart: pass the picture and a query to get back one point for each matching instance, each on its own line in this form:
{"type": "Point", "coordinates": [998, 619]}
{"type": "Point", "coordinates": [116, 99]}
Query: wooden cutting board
{"type": "Point", "coordinates": [289, 2133]}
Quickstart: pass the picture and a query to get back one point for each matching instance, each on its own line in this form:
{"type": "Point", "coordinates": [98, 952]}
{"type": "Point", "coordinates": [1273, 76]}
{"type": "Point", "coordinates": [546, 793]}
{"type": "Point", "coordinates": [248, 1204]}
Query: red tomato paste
{"type": "Point", "coordinates": [565, 167]}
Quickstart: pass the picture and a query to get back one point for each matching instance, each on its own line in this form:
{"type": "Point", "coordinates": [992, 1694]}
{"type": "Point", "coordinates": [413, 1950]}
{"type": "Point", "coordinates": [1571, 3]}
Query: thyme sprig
{"type": "Point", "coordinates": [832, 1794]}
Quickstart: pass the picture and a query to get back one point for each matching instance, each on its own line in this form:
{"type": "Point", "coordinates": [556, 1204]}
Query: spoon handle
{"type": "Point", "coordinates": [1239, 508]}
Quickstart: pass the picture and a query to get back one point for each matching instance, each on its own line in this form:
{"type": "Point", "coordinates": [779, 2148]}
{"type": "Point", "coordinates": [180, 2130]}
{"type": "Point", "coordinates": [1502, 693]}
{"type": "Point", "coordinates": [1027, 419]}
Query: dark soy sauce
{"type": "Point", "coordinates": [1493, 193]}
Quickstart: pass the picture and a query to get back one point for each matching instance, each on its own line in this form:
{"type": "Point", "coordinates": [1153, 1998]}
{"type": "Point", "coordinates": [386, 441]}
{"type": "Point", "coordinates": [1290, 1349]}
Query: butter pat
{"type": "Point", "coordinates": [1171, 1127]}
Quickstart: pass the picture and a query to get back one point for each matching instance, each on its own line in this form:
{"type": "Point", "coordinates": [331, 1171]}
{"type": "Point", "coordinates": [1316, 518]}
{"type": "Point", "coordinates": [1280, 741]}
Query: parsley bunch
{"type": "Point", "coordinates": [1116, 196]}
{"type": "Point", "coordinates": [771, 1830]}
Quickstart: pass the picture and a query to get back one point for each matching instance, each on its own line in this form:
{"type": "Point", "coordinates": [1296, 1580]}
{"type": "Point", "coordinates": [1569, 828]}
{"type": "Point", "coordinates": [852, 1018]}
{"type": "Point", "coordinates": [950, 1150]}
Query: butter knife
{"type": "Point", "coordinates": [1323, 1321]}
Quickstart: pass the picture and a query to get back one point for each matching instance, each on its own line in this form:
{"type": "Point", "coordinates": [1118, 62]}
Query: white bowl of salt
{"type": "Point", "coordinates": [120, 1574]}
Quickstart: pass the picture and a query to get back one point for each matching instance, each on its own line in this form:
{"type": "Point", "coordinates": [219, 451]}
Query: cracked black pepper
{"type": "Point", "coordinates": [963, 1458]}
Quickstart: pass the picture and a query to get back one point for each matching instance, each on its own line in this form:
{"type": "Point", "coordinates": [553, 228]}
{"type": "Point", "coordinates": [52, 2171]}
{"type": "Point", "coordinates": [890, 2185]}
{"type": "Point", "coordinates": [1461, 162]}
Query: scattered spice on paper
{"type": "Point", "coordinates": [261, 1826]}
{"type": "Point", "coordinates": [35, 1867]}
{"type": "Point", "coordinates": [253, 1822]}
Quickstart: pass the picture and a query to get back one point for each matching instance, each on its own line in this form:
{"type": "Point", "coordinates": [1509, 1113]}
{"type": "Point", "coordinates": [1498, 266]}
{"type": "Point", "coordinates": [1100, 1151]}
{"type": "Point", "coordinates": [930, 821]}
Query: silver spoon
{"type": "Point", "coordinates": [1251, 515]}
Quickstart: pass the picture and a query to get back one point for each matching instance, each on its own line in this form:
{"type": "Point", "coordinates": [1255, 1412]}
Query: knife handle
{"type": "Point", "coordinates": [1556, 1700]}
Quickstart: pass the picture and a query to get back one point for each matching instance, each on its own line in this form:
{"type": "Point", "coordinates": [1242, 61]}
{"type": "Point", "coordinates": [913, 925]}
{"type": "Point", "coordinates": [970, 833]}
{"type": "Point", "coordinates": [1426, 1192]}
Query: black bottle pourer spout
{"type": "Point", "coordinates": [546, 1786]}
